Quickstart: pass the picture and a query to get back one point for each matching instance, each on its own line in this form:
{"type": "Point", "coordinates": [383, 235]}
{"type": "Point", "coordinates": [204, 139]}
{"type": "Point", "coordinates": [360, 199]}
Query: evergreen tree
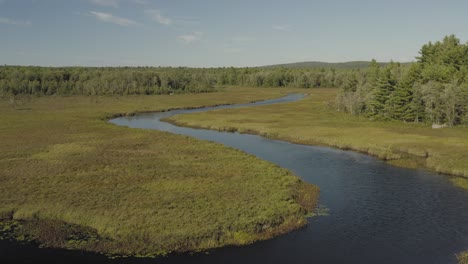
{"type": "Point", "coordinates": [381, 93]}
{"type": "Point", "coordinates": [351, 83]}
{"type": "Point", "coordinates": [401, 104]}
{"type": "Point", "coordinates": [432, 90]}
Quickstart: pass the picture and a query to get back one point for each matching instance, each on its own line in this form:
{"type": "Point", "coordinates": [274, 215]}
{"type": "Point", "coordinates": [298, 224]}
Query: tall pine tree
{"type": "Point", "coordinates": [386, 84]}
{"type": "Point", "coordinates": [400, 104]}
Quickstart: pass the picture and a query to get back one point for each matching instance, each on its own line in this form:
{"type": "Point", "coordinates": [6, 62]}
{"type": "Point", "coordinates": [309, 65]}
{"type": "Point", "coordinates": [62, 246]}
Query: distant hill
{"type": "Point", "coordinates": [336, 65]}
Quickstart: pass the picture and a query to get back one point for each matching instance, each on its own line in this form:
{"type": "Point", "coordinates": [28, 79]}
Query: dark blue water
{"type": "Point", "coordinates": [377, 213]}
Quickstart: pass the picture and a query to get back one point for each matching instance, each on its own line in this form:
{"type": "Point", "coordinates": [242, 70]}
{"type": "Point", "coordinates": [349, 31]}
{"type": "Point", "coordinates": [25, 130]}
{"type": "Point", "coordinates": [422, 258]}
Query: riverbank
{"type": "Point", "coordinates": [69, 179]}
{"type": "Point", "coordinates": [313, 121]}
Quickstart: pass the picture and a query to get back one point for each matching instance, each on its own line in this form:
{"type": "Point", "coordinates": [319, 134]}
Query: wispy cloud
{"type": "Point", "coordinates": [112, 3]}
{"type": "Point", "coordinates": [190, 38]}
{"type": "Point", "coordinates": [8, 21]}
{"type": "Point", "coordinates": [109, 18]}
{"type": "Point", "coordinates": [282, 27]}
{"type": "Point", "coordinates": [156, 15]}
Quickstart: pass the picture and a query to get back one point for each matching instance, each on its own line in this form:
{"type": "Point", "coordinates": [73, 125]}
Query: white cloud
{"type": "Point", "coordinates": [282, 28]}
{"type": "Point", "coordinates": [112, 3]}
{"type": "Point", "coordinates": [190, 38]}
{"type": "Point", "coordinates": [106, 17]}
{"type": "Point", "coordinates": [8, 21]}
{"type": "Point", "coordinates": [156, 16]}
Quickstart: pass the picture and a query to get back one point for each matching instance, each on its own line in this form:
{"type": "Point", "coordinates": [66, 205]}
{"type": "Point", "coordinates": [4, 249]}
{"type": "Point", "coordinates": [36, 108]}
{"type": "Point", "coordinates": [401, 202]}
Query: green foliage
{"type": "Point", "coordinates": [328, 65]}
{"type": "Point", "coordinates": [374, 73]}
{"type": "Point", "coordinates": [431, 90]}
{"type": "Point", "coordinates": [450, 52]}
{"type": "Point", "coordinates": [351, 83]}
{"type": "Point", "coordinates": [39, 81]}
{"type": "Point", "coordinates": [381, 93]}
{"type": "Point", "coordinates": [399, 104]}
{"type": "Point", "coordinates": [16, 80]}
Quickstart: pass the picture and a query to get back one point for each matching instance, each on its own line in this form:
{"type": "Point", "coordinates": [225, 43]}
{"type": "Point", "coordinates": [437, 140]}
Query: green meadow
{"type": "Point", "coordinates": [69, 179]}
{"type": "Point", "coordinates": [314, 121]}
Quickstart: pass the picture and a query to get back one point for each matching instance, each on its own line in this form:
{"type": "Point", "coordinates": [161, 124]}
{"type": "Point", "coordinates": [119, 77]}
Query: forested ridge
{"type": "Point", "coordinates": [434, 89]}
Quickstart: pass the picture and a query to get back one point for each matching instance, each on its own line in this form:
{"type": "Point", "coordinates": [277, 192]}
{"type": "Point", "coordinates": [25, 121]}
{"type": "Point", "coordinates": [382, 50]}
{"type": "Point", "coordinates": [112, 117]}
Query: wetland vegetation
{"type": "Point", "coordinates": [70, 179]}
{"type": "Point", "coordinates": [315, 121]}
{"type": "Point", "coordinates": [463, 258]}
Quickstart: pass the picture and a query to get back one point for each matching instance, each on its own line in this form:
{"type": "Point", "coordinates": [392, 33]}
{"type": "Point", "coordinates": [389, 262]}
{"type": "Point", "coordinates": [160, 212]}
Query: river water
{"type": "Point", "coordinates": [376, 213]}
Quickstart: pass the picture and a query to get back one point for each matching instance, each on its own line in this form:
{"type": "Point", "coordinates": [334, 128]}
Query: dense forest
{"type": "Point", "coordinates": [336, 65]}
{"type": "Point", "coordinates": [18, 80]}
{"type": "Point", "coordinates": [434, 89]}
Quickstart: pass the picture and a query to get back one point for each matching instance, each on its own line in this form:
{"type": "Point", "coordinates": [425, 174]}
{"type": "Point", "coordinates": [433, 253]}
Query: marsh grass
{"type": "Point", "coordinates": [314, 121]}
{"type": "Point", "coordinates": [69, 179]}
{"type": "Point", "coordinates": [460, 182]}
{"type": "Point", "coordinates": [462, 257]}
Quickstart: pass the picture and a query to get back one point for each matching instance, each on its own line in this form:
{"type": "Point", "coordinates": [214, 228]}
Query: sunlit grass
{"type": "Point", "coordinates": [314, 121]}
{"type": "Point", "coordinates": [68, 172]}
{"type": "Point", "coordinates": [460, 182]}
{"type": "Point", "coordinates": [463, 258]}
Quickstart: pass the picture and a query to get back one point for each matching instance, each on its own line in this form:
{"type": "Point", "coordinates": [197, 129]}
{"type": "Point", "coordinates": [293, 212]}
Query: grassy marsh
{"type": "Point", "coordinates": [460, 182]}
{"type": "Point", "coordinates": [70, 179]}
{"type": "Point", "coordinates": [314, 121]}
{"type": "Point", "coordinates": [463, 257]}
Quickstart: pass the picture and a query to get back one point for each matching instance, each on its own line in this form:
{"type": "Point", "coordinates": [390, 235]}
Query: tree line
{"type": "Point", "coordinates": [434, 89]}
{"type": "Point", "coordinates": [40, 81]}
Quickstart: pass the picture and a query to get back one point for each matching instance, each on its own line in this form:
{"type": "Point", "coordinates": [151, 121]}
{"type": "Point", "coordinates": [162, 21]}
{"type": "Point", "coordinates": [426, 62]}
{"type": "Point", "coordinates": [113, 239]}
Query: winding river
{"type": "Point", "coordinates": [376, 213]}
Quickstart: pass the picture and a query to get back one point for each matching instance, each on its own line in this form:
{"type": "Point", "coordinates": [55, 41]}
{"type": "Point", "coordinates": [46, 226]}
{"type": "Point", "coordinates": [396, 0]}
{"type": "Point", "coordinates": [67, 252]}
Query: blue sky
{"type": "Point", "coordinates": [212, 33]}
